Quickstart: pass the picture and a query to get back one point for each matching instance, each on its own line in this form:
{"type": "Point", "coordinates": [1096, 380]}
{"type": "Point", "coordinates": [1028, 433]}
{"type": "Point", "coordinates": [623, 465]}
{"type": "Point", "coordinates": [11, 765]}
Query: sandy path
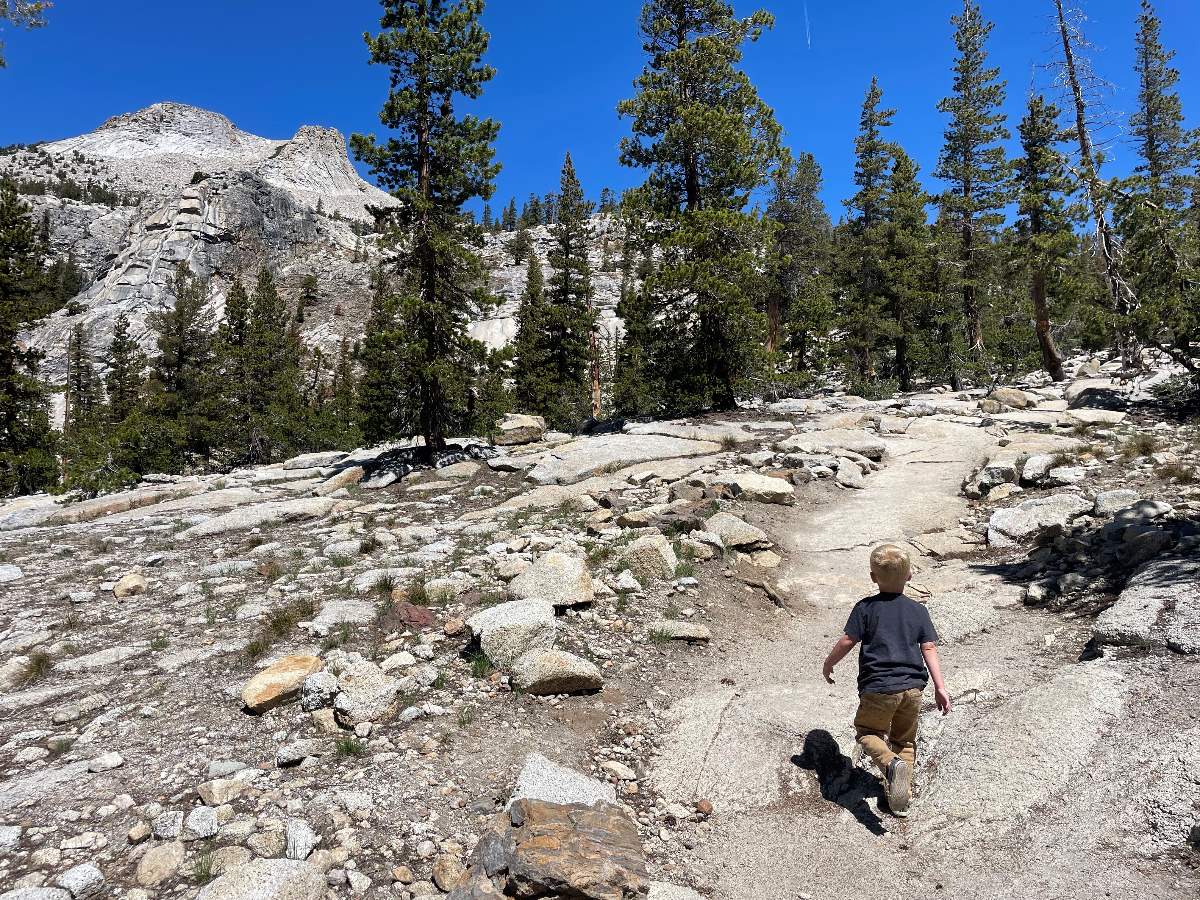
{"type": "Point", "coordinates": [768, 741]}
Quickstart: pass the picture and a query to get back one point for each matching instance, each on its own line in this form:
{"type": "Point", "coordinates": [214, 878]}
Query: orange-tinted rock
{"type": "Point", "coordinates": [279, 683]}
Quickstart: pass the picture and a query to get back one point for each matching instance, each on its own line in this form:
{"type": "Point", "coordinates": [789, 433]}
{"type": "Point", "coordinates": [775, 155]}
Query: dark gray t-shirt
{"type": "Point", "coordinates": [892, 628]}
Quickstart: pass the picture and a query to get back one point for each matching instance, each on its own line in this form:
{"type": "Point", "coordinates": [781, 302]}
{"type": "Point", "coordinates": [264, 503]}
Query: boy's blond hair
{"type": "Point", "coordinates": [891, 564]}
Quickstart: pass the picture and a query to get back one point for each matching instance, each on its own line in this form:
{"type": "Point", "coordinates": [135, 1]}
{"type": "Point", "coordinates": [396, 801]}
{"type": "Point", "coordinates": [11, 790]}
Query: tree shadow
{"type": "Point", "coordinates": [841, 781]}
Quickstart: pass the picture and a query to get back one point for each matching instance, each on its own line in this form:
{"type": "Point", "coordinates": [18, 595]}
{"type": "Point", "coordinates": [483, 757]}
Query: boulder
{"type": "Point", "coordinates": [565, 850]}
{"type": "Point", "coordinates": [9, 572]}
{"type": "Point", "coordinates": [82, 881]}
{"type": "Point", "coordinates": [130, 585]}
{"type": "Point", "coordinates": [1014, 398]}
{"type": "Point", "coordinates": [545, 672]}
{"type": "Point", "coordinates": [754, 487]}
{"type": "Point", "coordinates": [270, 513]}
{"type": "Point", "coordinates": [365, 693]}
{"type": "Point", "coordinates": [1159, 607]}
{"type": "Point", "coordinates": [849, 474]}
{"type": "Point", "coordinates": [556, 578]}
{"type": "Point", "coordinates": [736, 533]}
{"type": "Point", "coordinates": [508, 630]}
{"type": "Point", "coordinates": [1109, 502]}
{"type": "Point", "coordinates": [608, 453]}
{"type": "Point", "coordinates": [836, 439]}
{"type": "Point", "coordinates": [1035, 520]}
{"type": "Point", "coordinates": [279, 682]}
{"type": "Point", "coordinates": [650, 558]}
{"type": "Point", "coordinates": [516, 428]}
{"type": "Point", "coordinates": [268, 879]}
{"type": "Point", "coordinates": [159, 863]}
{"type": "Point", "coordinates": [543, 779]}
{"type": "Point", "coordinates": [339, 480]}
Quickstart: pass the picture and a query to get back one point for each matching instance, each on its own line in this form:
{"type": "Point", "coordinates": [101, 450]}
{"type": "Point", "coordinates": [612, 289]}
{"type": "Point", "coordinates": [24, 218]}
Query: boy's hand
{"type": "Point", "coordinates": [942, 696]}
{"type": "Point", "coordinates": [827, 671]}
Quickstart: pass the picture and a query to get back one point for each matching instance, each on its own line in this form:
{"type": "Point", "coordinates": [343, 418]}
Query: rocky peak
{"type": "Point", "coordinates": [168, 128]}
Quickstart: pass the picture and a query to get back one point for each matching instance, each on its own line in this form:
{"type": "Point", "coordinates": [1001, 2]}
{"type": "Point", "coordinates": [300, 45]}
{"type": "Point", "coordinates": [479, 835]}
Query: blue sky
{"type": "Point", "coordinates": [273, 65]}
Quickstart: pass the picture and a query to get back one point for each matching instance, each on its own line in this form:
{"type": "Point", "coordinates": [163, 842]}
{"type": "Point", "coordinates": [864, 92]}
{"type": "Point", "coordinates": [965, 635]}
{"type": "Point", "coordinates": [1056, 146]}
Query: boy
{"type": "Point", "coordinates": [897, 658]}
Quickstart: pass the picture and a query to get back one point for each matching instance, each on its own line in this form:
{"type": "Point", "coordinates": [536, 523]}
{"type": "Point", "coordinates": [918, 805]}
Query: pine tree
{"type": "Point", "coordinates": [309, 294]}
{"type": "Point", "coordinates": [84, 390]}
{"type": "Point", "coordinates": [520, 246]}
{"type": "Point", "coordinates": [434, 165]}
{"type": "Point", "coordinates": [863, 320]}
{"type": "Point", "coordinates": [635, 391]}
{"type": "Point", "coordinates": [530, 360]}
{"type": "Point", "coordinates": [182, 398]}
{"type": "Point", "coordinates": [486, 220]}
{"type": "Point", "coordinates": [706, 339]}
{"type": "Point", "coordinates": [508, 219]}
{"type": "Point", "coordinates": [1151, 213]}
{"type": "Point", "coordinates": [27, 461]}
{"type": "Point", "coordinates": [908, 245]}
{"type": "Point", "coordinates": [1045, 238]}
{"type": "Point", "coordinates": [533, 213]}
{"type": "Point", "coordinates": [973, 164]}
{"type": "Point", "coordinates": [268, 425]}
{"type": "Point", "coordinates": [125, 367]}
{"type": "Point", "coordinates": [568, 326]}
{"type": "Point", "coordinates": [799, 305]}
{"type": "Point", "coordinates": [382, 412]}
{"type": "Point", "coordinates": [608, 201]}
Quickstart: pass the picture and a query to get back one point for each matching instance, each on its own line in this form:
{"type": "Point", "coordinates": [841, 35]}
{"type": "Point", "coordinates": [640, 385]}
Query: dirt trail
{"type": "Point", "coordinates": [769, 742]}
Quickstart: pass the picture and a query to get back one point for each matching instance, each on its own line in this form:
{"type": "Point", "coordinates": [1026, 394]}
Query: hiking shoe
{"type": "Point", "coordinates": [899, 786]}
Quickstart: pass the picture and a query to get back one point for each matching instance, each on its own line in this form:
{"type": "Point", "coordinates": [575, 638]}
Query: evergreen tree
{"type": "Point", "coordinates": [309, 294]}
{"type": "Point", "coordinates": [530, 369]}
{"type": "Point", "coordinates": [608, 201]}
{"type": "Point", "coordinates": [27, 461]}
{"type": "Point", "coordinates": [973, 164]}
{"type": "Point", "coordinates": [635, 390]}
{"type": "Point", "coordinates": [268, 426]}
{"type": "Point", "coordinates": [905, 266]}
{"type": "Point", "coordinates": [568, 322]}
{"type": "Point", "coordinates": [799, 305]}
{"type": "Point", "coordinates": [707, 142]}
{"type": "Point", "coordinates": [520, 246]}
{"type": "Point", "coordinates": [84, 390]}
{"type": "Point", "coordinates": [486, 220]}
{"type": "Point", "coordinates": [1045, 238]}
{"type": "Point", "coordinates": [125, 366]}
{"type": "Point", "coordinates": [533, 213]}
{"type": "Point", "coordinates": [382, 412]}
{"type": "Point", "coordinates": [863, 320]}
{"type": "Point", "coordinates": [183, 402]}
{"type": "Point", "coordinates": [1152, 210]}
{"type": "Point", "coordinates": [435, 164]}
{"type": "Point", "coordinates": [508, 219]}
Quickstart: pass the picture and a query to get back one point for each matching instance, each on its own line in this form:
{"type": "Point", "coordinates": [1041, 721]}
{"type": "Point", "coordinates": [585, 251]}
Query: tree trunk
{"type": "Point", "coordinates": [903, 374]}
{"type": "Point", "coordinates": [594, 370]}
{"type": "Point", "coordinates": [1051, 358]}
{"type": "Point", "coordinates": [774, 318]}
{"type": "Point", "coordinates": [1120, 294]}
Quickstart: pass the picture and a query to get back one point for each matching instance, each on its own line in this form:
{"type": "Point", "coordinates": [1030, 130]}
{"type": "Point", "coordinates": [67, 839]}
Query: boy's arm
{"type": "Point", "coordinates": [844, 645]}
{"type": "Point", "coordinates": [929, 651]}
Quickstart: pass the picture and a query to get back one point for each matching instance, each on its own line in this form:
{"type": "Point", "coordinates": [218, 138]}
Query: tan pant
{"type": "Point", "coordinates": [886, 725]}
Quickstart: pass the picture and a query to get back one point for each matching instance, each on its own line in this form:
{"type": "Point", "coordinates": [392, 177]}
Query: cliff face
{"type": "Point", "coordinates": [172, 183]}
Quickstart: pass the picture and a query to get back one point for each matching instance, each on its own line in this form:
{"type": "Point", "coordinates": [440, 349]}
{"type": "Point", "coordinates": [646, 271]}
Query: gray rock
{"type": "Point", "coordinates": [1108, 502]}
{"type": "Point", "coordinates": [542, 779]}
{"type": "Point", "coordinates": [82, 881]}
{"type": "Point", "coordinates": [516, 428]}
{"type": "Point", "coordinates": [106, 762]}
{"type": "Point", "coordinates": [335, 612]}
{"type": "Point", "coordinates": [754, 487]}
{"type": "Point", "coordinates": [735, 532]}
{"type": "Point", "coordinates": [603, 454]}
{"type": "Point", "coordinates": [168, 825]}
{"type": "Point", "coordinates": [1035, 520]}
{"type": "Point", "coordinates": [273, 512]}
{"type": "Point", "coordinates": [650, 558]}
{"type": "Point", "coordinates": [660, 890]}
{"type": "Point", "coordinates": [1142, 511]}
{"type": "Point", "coordinates": [365, 693]}
{"type": "Point", "coordinates": [556, 578]}
{"type": "Point", "coordinates": [508, 630]}
{"type": "Point", "coordinates": [544, 672]}
{"type": "Point", "coordinates": [97, 660]}
{"type": "Point", "coordinates": [9, 572]}
{"type": "Point", "coordinates": [1160, 606]}
{"type": "Point", "coordinates": [301, 839]}
{"type": "Point", "coordinates": [200, 823]}
{"type": "Point", "coordinates": [36, 893]}
{"type": "Point", "coordinates": [268, 879]}
{"type": "Point", "coordinates": [849, 474]}
{"type": "Point", "coordinates": [833, 440]}
{"type": "Point", "coordinates": [10, 838]}
{"type": "Point", "coordinates": [318, 690]}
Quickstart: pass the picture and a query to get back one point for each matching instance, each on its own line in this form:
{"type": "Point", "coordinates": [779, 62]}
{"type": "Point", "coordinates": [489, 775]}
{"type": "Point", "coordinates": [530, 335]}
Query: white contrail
{"type": "Point", "coordinates": [807, 29]}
